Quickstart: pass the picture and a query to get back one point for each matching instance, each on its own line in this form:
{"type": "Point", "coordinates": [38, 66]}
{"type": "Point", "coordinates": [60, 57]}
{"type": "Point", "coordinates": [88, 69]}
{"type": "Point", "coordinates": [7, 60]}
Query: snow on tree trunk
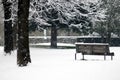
{"type": "Point", "coordinates": [8, 38]}
{"type": "Point", "coordinates": [23, 53]}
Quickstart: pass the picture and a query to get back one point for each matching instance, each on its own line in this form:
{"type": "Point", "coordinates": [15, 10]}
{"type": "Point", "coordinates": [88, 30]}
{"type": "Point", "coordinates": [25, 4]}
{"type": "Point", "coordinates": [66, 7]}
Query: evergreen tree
{"type": "Point", "coordinates": [71, 14]}
{"type": "Point", "coordinates": [23, 53]}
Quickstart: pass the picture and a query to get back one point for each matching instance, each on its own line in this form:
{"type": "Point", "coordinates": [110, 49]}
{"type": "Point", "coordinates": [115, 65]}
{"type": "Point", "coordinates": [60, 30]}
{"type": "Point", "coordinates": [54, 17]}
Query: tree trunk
{"type": "Point", "coordinates": [15, 32]}
{"type": "Point", "coordinates": [23, 53]}
{"type": "Point", "coordinates": [108, 38]}
{"type": "Point", "coordinates": [108, 35]}
{"type": "Point", "coordinates": [53, 36]}
{"type": "Point", "coordinates": [8, 38]}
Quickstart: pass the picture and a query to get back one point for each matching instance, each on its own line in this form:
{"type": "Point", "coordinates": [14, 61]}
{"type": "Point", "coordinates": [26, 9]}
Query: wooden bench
{"type": "Point", "coordinates": [93, 49]}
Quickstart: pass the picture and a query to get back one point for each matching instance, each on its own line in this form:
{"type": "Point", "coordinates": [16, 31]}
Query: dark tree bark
{"type": "Point", "coordinates": [8, 38]}
{"type": "Point", "coordinates": [109, 31]}
{"type": "Point", "coordinates": [23, 53]}
{"type": "Point", "coordinates": [53, 36]}
{"type": "Point", "coordinates": [15, 32]}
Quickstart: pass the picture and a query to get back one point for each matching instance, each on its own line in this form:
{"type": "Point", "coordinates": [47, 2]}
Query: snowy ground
{"type": "Point", "coordinates": [59, 64]}
{"type": "Point", "coordinates": [48, 45]}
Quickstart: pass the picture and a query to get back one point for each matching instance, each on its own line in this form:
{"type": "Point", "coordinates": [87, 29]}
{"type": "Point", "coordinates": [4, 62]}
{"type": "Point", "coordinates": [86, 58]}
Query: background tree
{"type": "Point", "coordinates": [47, 14]}
{"type": "Point", "coordinates": [1, 24]}
{"type": "Point", "coordinates": [23, 53]}
{"type": "Point", "coordinates": [14, 23]}
{"type": "Point", "coordinates": [111, 23]}
{"type": "Point", "coordinates": [71, 14]}
{"type": "Point", "coordinates": [8, 38]}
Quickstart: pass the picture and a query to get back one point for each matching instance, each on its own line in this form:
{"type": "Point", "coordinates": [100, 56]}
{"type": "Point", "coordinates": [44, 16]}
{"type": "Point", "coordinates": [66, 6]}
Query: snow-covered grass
{"type": "Point", "coordinates": [62, 45]}
{"type": "Point", "coordinates": [59, 64]}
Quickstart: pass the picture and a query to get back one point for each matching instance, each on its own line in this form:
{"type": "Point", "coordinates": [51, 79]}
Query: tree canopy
{"type": "Point", "coordinates": [74, 14]}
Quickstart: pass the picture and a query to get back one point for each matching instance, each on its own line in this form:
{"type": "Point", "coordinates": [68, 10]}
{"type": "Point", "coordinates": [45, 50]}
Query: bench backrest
{"type": "Point", "coordinates": [92, 48]}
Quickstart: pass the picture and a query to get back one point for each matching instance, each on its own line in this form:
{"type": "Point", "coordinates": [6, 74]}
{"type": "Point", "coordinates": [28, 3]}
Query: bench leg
{"type": "Point", "coordinates": [75, 56]}
{"type": "Point", "coordinates": [104, 57]}
{"type": "Point", "coordinates": [83, 57]}
{"type": "Point", "coordinates": [111, 57]}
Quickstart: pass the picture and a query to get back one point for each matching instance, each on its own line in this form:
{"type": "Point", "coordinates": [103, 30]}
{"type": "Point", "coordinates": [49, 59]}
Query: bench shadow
{"type": "Point", "coordinates": [92, 60]}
